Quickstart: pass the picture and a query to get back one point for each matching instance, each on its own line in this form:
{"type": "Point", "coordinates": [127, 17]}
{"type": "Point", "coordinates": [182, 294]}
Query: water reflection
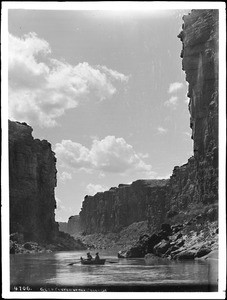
{"type": "Point", "coordinates": [32, 269]}
{"type": "Point", "coordinates": [53, 268]}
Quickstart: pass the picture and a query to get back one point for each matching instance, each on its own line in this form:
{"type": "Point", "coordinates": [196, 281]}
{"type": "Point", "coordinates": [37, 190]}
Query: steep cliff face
{"type": "Point", "coordinates": [73, 225]}
{"type": "Point", "coordinates": [63, 226]}
{"type": "Point", "coordinates": [117, 208]}
{"type": "Point", "coordinates": [195, 183]}
{"type": "Point", "coordinates": [32, 179]}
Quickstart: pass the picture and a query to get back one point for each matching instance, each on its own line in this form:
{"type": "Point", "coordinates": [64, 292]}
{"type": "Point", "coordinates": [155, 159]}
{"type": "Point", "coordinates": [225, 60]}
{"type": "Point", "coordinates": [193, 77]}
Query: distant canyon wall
{"type": "Point", "coordinates": [32, 180]}
{"type": "Point", "coordinates": [112, 210]}
{"type": "Point", "coordinates": [193, 183]}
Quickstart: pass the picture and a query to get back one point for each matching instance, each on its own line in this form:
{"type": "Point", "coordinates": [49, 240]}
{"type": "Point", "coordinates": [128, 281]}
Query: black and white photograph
{"type": "Point", "coordinates": [113, 156]}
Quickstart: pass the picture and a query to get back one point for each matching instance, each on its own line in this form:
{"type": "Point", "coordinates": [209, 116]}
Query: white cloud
{"type": "Point", "coordinates": [95, 188]}
{"type": "Point", "coordinates": [62, 210]}
{"type": "Point", "coordinates": [64, 176]}
{"type": "Point", "coordinates": [114, 74]}
{"type": "Point", "coordinates": [187, 133]}
{"type": "Point", "coordinates": [162, 130]}
{"type": "Point", "coordinates": [187, 100]}
{"type": "Point", "coordinates": [41, 88]}
{"type": "Point", "coordinates": [111, 155]}
{"type": "Point", "coordinates": [172, 102]}
{"type": "Point", "coordinates": [166, 176]}
{"type": "Point", "coordinates": [175, 86]}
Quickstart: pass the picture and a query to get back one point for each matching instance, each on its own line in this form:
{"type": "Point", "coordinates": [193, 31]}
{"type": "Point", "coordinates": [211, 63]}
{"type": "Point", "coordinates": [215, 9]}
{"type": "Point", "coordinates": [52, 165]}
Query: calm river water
{"type": "Point", "coordinates": [52, 270]}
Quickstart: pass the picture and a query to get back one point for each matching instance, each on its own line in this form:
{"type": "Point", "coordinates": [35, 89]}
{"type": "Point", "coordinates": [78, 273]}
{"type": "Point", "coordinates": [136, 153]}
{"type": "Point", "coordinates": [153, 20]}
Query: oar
{"type": "Point", "coordinates": [74, 263]}
{"type": "Point", "coordinates": [112, 262]}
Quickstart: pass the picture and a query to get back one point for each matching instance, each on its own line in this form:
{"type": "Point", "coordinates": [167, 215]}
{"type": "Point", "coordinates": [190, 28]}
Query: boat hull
{"type": "Point", "coordinates": [93, 262]}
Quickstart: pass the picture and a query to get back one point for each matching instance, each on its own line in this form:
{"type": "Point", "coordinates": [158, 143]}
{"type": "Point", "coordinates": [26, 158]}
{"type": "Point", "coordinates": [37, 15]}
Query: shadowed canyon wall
{"type": "Point", "coordinates": [112, 210]}
{"type": "Point", "coordinates": [32, 180]}
{"type": "Point", "coordinates": [197, 181]}
{"type": "Point", "coordinates": [193, 183]}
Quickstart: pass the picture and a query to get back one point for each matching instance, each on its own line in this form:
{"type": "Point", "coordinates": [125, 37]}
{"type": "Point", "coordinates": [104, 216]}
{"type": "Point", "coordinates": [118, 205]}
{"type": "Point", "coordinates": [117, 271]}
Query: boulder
{"type": "Point", "coordinates": [203, 251]}
{"type": "Point", "coordinates": [166, 228]}
{"type": "Point", "coordinates": [153, 240]}
{"type": "Point", "coordinates": [176, 228]}
{"type": "Point", "coordinates": [122, 254]}
{"type": "Point", "coordinates": [187, 254]}
{"type": "Point", "coordinates": [30, 245]}
{"type": "Point", "coordinates": [162, 247]}
{"type": "Point", "coordinates": [136, 252]}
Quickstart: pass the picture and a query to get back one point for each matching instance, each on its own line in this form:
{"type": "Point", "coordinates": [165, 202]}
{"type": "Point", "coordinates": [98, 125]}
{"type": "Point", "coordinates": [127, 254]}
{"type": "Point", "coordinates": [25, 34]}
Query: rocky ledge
{"type": "Point", "coordinates": [194, 238]}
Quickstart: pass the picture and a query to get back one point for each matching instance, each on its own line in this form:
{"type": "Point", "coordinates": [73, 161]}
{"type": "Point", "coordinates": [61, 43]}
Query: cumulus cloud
{"type": "Point", "coordinates": [92, 189]}
{"type": "Point", "coordinates": [61, 210]}
{"type": "Point", "coordinates": [114, 74]}
{"type": "Point", "coordinates": [172, 102]}
{"type": "Point", "coordinates": [162, 130]}
{"type": "Point", "coordinates": [111, 155]}
{"type": "Point", "coordinates": [41, 88]}
{"type": "Point", "coordinates": [64, 176]}
{"type": "Point", "coordinates": [187, 133]}
{"type": "Point", "coordinates": [175, 86]}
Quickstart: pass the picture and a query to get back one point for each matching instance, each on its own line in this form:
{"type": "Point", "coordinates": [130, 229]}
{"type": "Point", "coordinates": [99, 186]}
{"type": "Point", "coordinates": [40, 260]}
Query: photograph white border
{"type": "Point", "coordinates": [114, 5]}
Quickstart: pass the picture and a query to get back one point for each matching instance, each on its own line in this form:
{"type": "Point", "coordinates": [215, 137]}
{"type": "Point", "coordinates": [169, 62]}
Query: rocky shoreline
{"type": "Point", "coordinates": [194, 238]}
{"type": "Point", "coordinates": [191, 236]}
{"type": "Point", "coordinates": [63, 242]}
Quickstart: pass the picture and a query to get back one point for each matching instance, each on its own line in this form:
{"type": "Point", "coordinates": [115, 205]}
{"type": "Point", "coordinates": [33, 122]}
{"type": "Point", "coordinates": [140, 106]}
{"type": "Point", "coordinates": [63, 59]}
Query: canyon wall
{"type": "Point", "coordinates": [112, 210]}
{"type": "Point", "coordinates": [195, 183]}
{"type": "Point", "coordinates": [73, 225]}
{"type": "Point", "coordinates": [32, 180]}
{"type": "Point", "coordinates": [63, 226]}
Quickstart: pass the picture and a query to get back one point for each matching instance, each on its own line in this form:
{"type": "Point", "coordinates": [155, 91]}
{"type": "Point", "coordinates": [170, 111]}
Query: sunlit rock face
{"type": "Point", "coordinates": [196, 182]}
{"type": "Point", "coordinates": [32, 180]}
{"type": "Point", "coordinates": [121, 206]}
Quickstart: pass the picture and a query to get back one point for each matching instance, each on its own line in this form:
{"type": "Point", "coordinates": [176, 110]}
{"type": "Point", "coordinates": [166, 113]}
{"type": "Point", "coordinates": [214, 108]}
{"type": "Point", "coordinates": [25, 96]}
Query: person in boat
{"type": "Point", "coordinates": [89, 257]}
{"type": "Point", "coordinates": [97, 258]}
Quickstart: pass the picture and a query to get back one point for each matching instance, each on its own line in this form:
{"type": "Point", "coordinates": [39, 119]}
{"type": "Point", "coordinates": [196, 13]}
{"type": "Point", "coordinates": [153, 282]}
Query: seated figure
{"type": "Point", "coordinates": [89, 257]}
{"type": "Point", "coordinates": [97, 258]}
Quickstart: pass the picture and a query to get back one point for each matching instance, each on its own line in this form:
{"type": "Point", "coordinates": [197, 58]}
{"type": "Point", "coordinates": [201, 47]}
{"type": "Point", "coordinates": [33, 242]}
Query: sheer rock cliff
{"type": "Point", "coordinates": [112, 210]}
{"type": "Point", "coordinates": [32, 180]}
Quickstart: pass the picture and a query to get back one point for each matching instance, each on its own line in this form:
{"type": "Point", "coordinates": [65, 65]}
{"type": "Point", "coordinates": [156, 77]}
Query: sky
{"type": "Point", "coordinates": [106, 89]}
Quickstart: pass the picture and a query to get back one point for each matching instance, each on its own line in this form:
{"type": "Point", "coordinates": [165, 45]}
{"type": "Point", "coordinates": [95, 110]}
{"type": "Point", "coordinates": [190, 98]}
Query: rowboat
{"type": "Point", "coordinates": [92, 262]}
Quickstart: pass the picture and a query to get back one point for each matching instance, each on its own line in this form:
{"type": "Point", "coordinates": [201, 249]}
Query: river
{"type": "Point", "coordinates": [52, 272]}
